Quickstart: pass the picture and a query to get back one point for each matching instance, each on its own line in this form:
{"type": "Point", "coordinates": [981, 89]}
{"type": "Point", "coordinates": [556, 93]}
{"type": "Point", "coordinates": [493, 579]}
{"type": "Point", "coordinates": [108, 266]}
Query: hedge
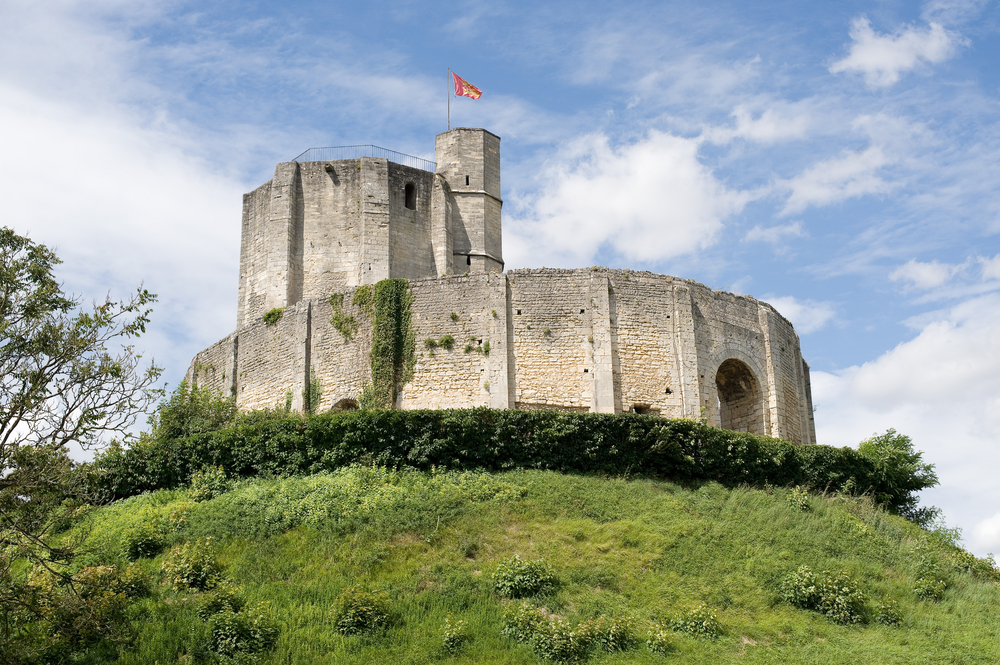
{"type": "Point", "coordinates": [487, 439]}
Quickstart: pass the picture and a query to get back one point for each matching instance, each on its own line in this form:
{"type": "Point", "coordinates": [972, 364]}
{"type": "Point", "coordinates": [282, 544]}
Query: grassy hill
{"type": "Point", "coordinates": [426, 547]}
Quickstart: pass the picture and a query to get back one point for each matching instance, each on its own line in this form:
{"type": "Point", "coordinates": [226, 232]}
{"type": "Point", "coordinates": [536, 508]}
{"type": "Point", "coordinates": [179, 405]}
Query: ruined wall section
{"type": "Point", "coordinates": [553, 332]}
{"type": "Point", "coordinates": [457, 378]}
{"type": "Point", "coordinates": [646, 344]}
{"type": "Point", "coordinates": [215, 367]}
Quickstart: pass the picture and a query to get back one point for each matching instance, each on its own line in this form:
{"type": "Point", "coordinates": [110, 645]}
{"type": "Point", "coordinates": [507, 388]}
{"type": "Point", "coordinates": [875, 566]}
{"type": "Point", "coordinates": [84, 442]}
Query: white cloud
{"type": "Point", "coordinates": [883, 58]}
{"type": "Point", "coordinates": [769, 127]}
{"type": "Point", "coordinates": [942, 388]}
{"type": "Point", "coordinates": [991, 267]}
{"type": "Point", "coordinates": [924, 275]}
{"type": "Point", "coordinates": [850, 175]}
{"type": "Point", "coordinates": [806, 315]}
{"type": "Point", "coordinates": [774, 234]}
{"type": "Point", "coordinates": [649, 200]}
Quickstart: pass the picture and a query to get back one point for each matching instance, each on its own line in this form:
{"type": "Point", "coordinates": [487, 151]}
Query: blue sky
{"type": "Point", "coordinates": [838, 160]}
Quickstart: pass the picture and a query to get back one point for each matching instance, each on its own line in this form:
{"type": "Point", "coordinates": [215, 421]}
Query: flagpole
{"type": "Point", "coordinates": [449, 99]}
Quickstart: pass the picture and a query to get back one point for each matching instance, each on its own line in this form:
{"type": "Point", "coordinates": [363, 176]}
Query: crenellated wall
{"type": "Point", "coordinates": [576, 340]}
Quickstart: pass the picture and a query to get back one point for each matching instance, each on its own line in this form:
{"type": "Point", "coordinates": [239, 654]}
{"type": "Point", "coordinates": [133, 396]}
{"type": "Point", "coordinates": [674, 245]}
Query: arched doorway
{"type": "Point", "coordinates": [741, 408]}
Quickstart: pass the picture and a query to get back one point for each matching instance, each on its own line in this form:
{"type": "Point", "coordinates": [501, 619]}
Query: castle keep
{"type": "Point", "coordinates": [593, 339]}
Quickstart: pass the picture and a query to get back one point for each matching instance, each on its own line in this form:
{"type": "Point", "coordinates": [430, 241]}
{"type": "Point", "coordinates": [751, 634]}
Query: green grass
{"type": "Point", "coordinates": [646, 549]}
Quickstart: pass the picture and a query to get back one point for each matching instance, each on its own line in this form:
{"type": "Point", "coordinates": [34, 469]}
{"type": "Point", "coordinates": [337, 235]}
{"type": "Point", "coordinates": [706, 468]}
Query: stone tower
{"type": "Point", "coordinates": [322, 225]}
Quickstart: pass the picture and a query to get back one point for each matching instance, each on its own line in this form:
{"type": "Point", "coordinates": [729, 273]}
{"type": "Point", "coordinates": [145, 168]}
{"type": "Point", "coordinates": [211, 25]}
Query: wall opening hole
{"type": "Point", "coordinates": [519, 312]}
{"type": "Point", "coordinates": [739, 398]}
{"type": "Point", "coordinates": [586, 371]}
{"type": "Point", "coordinates": [466, 181]}
{"type": "Point", "coordinates": [411, 196]}
{"type": "Point", "coordinates": [669, 391]}
{"type": "Point", "coordinates": [643, 409]}
{"type": "Point", "coordinates": [468, 260]}
{"type": "Point", "coordinates": [581, 311]}
{"type": "Point", "coordinates": [345, 405]}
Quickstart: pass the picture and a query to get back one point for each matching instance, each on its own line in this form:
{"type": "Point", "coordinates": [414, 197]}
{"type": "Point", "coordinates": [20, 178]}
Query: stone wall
{"type": "Point", "coordinates": [578, 340]}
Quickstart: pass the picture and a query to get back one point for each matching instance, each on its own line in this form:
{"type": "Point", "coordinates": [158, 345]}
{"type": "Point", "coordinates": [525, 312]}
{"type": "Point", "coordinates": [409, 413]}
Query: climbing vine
{"type": "Point", "coordinates": [392, 354]}
{"type": "Point", "coordinates": [345, 323]}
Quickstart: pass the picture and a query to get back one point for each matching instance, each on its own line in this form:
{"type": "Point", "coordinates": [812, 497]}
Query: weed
{"type": "Point", "coordinates": [245, 633]}
{"type": "Point", "coordinates": [929, 589]}
{"type": "Point", "coordinates": [798, 497]}
{"type": "Point", "coordinates": [515, 578]}
{"type": "Point", "coordinates": [521, 620]}
{"type": "Point", "coordinates": [209, 483]}
{"type": "Point", "coordinates": [145, 539]}
{"type": "Point", "coordinates": [357, 612]}
{"type": "Point", "coordinates": [222, 597]}
{"type": "Point", "coordinates": [455, 635]}
{"type": "Point", "coordinates": [887, 613]}
{"type": "Point", "coordinates": [699, 622]}
{"type": "Point", "coordinates": [836, 596]}
{"type": "Point", "coordinates": [193, 565]}
{"type": "Point", "coordinates": [454, 316]}
{"type": "Point", "coordinates": [660, 640]}
{"type": "Point", "coordinates": [617, 634]}
{"type": "Point", "coordinates": [273, 316]}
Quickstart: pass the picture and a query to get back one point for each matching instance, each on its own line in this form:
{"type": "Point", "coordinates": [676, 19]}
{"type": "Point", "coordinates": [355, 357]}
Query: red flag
{"type": "Point", "coordinates": [465, 89]}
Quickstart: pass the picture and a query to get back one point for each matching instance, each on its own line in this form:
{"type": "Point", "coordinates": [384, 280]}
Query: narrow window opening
{"type": "Point", "coordinates": [466, 181]}
{"type": "Point", "coordinates": [468, 260]}
{"type": "Point", "coordinates": [669, 391]}
{"type": "Point", "coordinates": [581, 311]}
{"type": "Point", "coordinates": [518, 312]}
{"type": "Point", "coordinates": [586, 371]}
{"type": "Point", "coordinates": [411, 196]}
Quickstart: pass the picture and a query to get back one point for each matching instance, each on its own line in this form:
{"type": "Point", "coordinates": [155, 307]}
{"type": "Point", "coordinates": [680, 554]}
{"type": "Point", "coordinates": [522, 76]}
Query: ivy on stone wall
{"type": "Point", "coordinates": [392, 356]}
{"type": "Point", "coordinates": [346, 324]}
{"type": "Point", "coordinates": [273, 316]}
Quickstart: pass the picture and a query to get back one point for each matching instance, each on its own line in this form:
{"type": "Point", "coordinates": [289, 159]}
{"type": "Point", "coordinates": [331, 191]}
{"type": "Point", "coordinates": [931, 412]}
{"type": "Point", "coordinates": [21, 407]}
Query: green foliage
{"type": "Point", "coordinates": [798, 497]}
{"type": "Point", "coordinates": [192, 410]}
{"type": "Point", "coordinates": [929, 589]}
{"type": "Point", "coordinates": [346, 324]}
{"type": "Point", "coordinates": [223, 597]}
{"type": "Point", "coordinates": [273, 316]}
{"type": "Point", "coordinates": [521, 620]}
{"type": "Point", "coordinates": [623, 444]}
{"type": "Point", "coordinates": [967, 562]}
{"type": "Point", "coordinates": [514, 578]}
{"type": "Point", "coordinates": [145, 539]}
{"type": "Point", "coordinates": [887, 613]}
{"type": "Point", "coordinates": [899, 472]}
{"type": "Point", "coordinates": [446, 342]}
{"type": "Point", "coordinates": [559, 641]}
{"type": "Point", "coordinates": [660, 640]}
{"type": "Point", "coordinates": [454, 316]}
{"type": "Point", "coordinates": [363, 299]}
{"type": "Point", "coordinates": [245, 633]}
{"type": "Point", "coordinates": [209, 483]}
{"type": "Point", "coordinates": [835, 595]}
{"type": "Point", "coordinates": [455, 635]}
{"type": "Point", "coordinates": [193, 565]}
{"type": "Point", "coordinates": [357, 611]}
{"type": "Point", "coordinates": [392, 354]}
{"type": "Point", "coordinates": [615, 634]}
{"type": "Point", "coordinates": [312, 394]}
{"type": "Point", "coordinates": [699, 622]}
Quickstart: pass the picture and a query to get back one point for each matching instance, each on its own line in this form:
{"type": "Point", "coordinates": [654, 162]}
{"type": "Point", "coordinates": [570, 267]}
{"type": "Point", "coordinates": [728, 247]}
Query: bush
{"type": "Point", "coordinates": [617, 634]}
{"type": "Point", "coordinates": [836, 596]}
{"type": "Point", "coordinates": [222, 597]}
{"type": "Point", "coordinates": [145, 539]}
{"type": "Point", "coordinates": [660, 640]}
{"type": "Point", "coordinates": [514, 578]}
{"type": "Point", "coordinates": [557, 641]}
{"type": "Point", "coordinates": [521, 621]}
{"type": "Point", "coordinates": [887, 613]}
{"type": "Point", "coordinates": [193, 566]}
{"type": "Point", "coordinates": [699, 622]}
{"type": "Point", "coordinates": [358, 611]}
{"type": "Point", "coordinates": [242, 633]}
{"type": "Point", "coordinates": [899, 472]}
{"type": "Point", "coordinates": [798, 497]}
{"type": "Point", "coordinates": [455, 635]}
{"type": "Point", "coordinates": [209, 483]}
{"type": "Point", "coordinates": [929, 589]}
{"type": "Point", "coordinates": [985, 569]}
{"type": "Point", "coordinates": [273, 316]}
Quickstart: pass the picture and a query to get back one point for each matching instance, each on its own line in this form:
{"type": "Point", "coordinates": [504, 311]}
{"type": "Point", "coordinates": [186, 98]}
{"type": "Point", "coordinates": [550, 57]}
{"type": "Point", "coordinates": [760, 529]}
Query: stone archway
{"type": "Point", "coordinates": [741, 408]}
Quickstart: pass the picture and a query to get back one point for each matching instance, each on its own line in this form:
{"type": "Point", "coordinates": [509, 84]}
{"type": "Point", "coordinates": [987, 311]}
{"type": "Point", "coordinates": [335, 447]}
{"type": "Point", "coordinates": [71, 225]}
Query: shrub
{"type": "Point", "coordinates": [798, 497]}
{"type": "Point", "coordinates": [514, 578]}
{"type": "Point", "coordinates": [358, 611]}
{"type": "Point", "coordinates": [222, 597]}
{"type": "Point", "coordinates": [617, 634]}
{"type": "Point", "coordinates": [455, 635]}
{"type": "Point", "coordinates": [899, 472]}
{"type": "Point", "coordinates": [556, 640]}
{"type": "Point", "coordinates": [660, 640]}
{"type": "Point", "coordinates": [521, 621]}
{"type": "Point", "coordinates": [699, 622]}
{"type": "Point", "coordinates": [836, 596]}
{"type": "Point", "coordinates": [145, 539]}
{"type": "Point", "coordinates": [967, 562]}
{"type": "Point", "coordinates": [193, 565]}
{"type": "Point", "coordinates": [245, 633]}
{"type": "Point", "coordinates": [887, 613]}
{"type": "Point", "coordinates": [273, 316]}
{"type": "Point", "coordinates": [929, 589]}
{"type": "Point", "coordinates": [208, 483]}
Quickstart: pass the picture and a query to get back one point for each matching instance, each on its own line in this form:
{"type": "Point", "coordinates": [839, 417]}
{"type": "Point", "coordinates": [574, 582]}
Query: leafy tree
{"type": "Point", "coordinates": [192, 410]}
{"type": "Point", "coordinates": [901, 473]}
{"type": "Point", "coordinates": [68, 376]}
